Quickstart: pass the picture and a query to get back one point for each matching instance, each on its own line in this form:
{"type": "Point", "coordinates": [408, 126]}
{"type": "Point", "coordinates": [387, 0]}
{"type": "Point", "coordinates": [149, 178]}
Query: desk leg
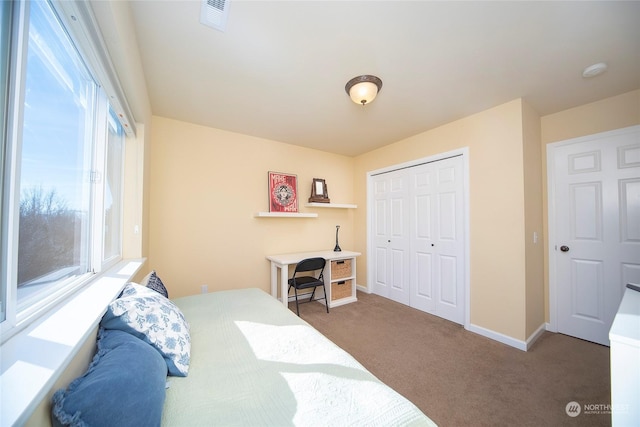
{"type": "Point", "coordinates": [274, 280]}
{"type": "Point", "coordinates": [284, 283]}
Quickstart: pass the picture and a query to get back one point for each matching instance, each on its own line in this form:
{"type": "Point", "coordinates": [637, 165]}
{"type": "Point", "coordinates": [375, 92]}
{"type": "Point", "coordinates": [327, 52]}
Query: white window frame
{"type": "Point", "coordinates": [11, 192]}
{"type": "Point", "coordinates": [93, 51]}
{"type": "Point", "coordinates": [109, 262]}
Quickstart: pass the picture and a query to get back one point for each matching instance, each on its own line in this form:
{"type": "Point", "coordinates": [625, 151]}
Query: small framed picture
{"type": "Point", "coordinates": [283, 192]}
{"type": "Point", "coordinates": [319, 192]}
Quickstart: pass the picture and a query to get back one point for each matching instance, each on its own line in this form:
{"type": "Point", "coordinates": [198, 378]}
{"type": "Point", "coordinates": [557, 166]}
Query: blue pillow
{"type": "Point", "coordinates": [152, 281]}
{"type": "Point", "coordinates": [153, 318]}
{"type": "Point", "coordinates": [124, 386]}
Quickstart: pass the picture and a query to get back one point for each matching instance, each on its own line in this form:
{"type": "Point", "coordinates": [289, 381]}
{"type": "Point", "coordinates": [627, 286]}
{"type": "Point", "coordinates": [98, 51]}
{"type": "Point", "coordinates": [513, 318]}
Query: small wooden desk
{"type": "Point", "coordinates": [283, 261]}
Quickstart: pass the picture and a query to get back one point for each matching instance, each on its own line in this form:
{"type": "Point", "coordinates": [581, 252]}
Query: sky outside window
{"type": "Point", "coordinates": [58, 98]}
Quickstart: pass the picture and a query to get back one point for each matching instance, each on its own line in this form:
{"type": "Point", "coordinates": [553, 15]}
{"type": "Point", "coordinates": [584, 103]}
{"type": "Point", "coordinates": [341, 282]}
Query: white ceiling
{"type": "Point", "coordinates": [279, 69]}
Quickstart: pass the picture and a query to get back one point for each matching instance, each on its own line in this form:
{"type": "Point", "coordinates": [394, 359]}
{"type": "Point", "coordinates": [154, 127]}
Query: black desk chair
{"type": "Point", "coordinates": [308, 281]}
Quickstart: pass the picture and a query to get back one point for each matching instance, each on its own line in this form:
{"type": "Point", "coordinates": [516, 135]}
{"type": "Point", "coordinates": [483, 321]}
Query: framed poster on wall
{"type": "Point", "coordinates": [283, 192]}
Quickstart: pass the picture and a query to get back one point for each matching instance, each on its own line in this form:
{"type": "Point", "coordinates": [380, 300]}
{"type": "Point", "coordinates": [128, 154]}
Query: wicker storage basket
{"type": "Point", "coordinates": [340, 269]}
{"type": "Point", "coordinates": [341, 289]}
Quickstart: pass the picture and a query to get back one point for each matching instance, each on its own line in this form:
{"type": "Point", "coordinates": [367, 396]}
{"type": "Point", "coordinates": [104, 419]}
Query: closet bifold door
{"type": "Point", "coordinates": [418, 237]}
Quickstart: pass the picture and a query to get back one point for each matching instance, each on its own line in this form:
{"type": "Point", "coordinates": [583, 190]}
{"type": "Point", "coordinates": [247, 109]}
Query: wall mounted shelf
{"type": "Point", "coordinates": [285, 215]}
{"type": "Point", "coordinates": [331, 205]}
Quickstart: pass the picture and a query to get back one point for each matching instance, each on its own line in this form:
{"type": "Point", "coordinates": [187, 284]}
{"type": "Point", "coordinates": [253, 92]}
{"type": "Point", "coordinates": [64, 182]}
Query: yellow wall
{"type": "Point", "coordinates": [534, 246]}
{"type": "Point", "coordinates": [497, 217]}
{"type": "Point", "coordinates": [608, 114]}
{"type": "Point", "coordinates": [205, 187]}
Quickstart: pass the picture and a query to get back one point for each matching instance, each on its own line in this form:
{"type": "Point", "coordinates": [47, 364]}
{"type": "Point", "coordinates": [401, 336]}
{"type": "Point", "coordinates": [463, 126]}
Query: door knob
{"type": "Point", "coordinates": [564, 248]}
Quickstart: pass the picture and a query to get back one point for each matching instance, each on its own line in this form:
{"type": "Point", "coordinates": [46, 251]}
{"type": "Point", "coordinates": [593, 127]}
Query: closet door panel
{"type": "Point", "coordinates": [449, 244]}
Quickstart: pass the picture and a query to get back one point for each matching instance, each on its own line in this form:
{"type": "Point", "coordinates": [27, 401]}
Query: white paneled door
{"type": "Point", "coordinates": [418, 237]}
{"type": "Point", "coordinates": [596, 241]}
{"type": "Point", "coordinates": [391, 236]}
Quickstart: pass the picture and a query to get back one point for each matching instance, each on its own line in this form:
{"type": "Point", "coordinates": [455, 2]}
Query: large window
{"type": "Point", "coordinates": [62, 187]}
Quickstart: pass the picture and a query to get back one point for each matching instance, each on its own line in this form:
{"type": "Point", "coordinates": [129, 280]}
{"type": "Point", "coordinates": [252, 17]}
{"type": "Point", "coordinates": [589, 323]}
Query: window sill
{"type": "Point", "coordinates": [35, 357]}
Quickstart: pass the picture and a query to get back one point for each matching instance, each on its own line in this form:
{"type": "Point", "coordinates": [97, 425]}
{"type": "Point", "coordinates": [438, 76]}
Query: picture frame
{"type": "Point", "coordinates": [283, 192]}
{"type": "Point", "coordinates": [319, 192]}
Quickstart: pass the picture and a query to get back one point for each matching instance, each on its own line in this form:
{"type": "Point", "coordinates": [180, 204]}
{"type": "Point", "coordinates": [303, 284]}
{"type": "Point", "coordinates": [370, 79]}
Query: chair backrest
{"type": "Point", "coordinates": [310, 264]}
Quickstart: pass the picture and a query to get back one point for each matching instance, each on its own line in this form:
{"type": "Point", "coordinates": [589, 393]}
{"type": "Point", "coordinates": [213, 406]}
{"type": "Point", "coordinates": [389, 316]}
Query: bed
{"type": "Point", "coordinates": [252, 362]}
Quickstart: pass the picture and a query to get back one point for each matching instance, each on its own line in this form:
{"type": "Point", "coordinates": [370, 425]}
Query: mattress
{"type": "Point", "coordinates": [255, 363]}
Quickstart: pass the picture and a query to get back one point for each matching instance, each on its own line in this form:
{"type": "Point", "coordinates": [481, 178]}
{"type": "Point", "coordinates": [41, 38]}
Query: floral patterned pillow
{"type": "Point", "coordinates": [146, 314]}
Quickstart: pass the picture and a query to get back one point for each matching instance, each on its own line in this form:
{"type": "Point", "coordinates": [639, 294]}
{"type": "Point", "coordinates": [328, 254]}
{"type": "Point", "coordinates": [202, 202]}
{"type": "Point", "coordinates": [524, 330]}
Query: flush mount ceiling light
{"type": "Point", "coordinates": [363, 89]}
{"type": "Point", "coordinates": [594, 70]}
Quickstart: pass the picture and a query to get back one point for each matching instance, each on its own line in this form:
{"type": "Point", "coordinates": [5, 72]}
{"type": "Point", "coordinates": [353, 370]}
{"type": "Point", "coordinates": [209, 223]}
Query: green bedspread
{"type": "Point", "coordinates": [255, 363]}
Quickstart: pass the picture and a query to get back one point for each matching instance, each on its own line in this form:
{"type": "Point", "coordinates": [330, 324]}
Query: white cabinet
{"type": "Point", "coordinates": [625, 362]}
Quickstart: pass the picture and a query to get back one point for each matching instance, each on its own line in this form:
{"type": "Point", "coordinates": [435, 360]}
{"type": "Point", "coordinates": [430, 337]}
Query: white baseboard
{"type": "Point", "coordinates": [363, 289]}
{"type": "Point", "coordinates": [505, 339]}
{"type": "Point", "coordinates": [537, 334]}
{"type": "Point", "coordinates": [496, 336]}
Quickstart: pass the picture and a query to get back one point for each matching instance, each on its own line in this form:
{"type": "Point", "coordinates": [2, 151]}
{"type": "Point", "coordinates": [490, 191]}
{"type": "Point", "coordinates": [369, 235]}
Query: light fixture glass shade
{"type": "Point", "coordinates": [363, 93]}
{"type": "Point", "coordinates": [363, 89]}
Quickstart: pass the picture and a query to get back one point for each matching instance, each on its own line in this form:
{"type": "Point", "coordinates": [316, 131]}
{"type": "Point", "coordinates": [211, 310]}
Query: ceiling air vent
{"type": "Point", "coordinates": [214, 13]}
